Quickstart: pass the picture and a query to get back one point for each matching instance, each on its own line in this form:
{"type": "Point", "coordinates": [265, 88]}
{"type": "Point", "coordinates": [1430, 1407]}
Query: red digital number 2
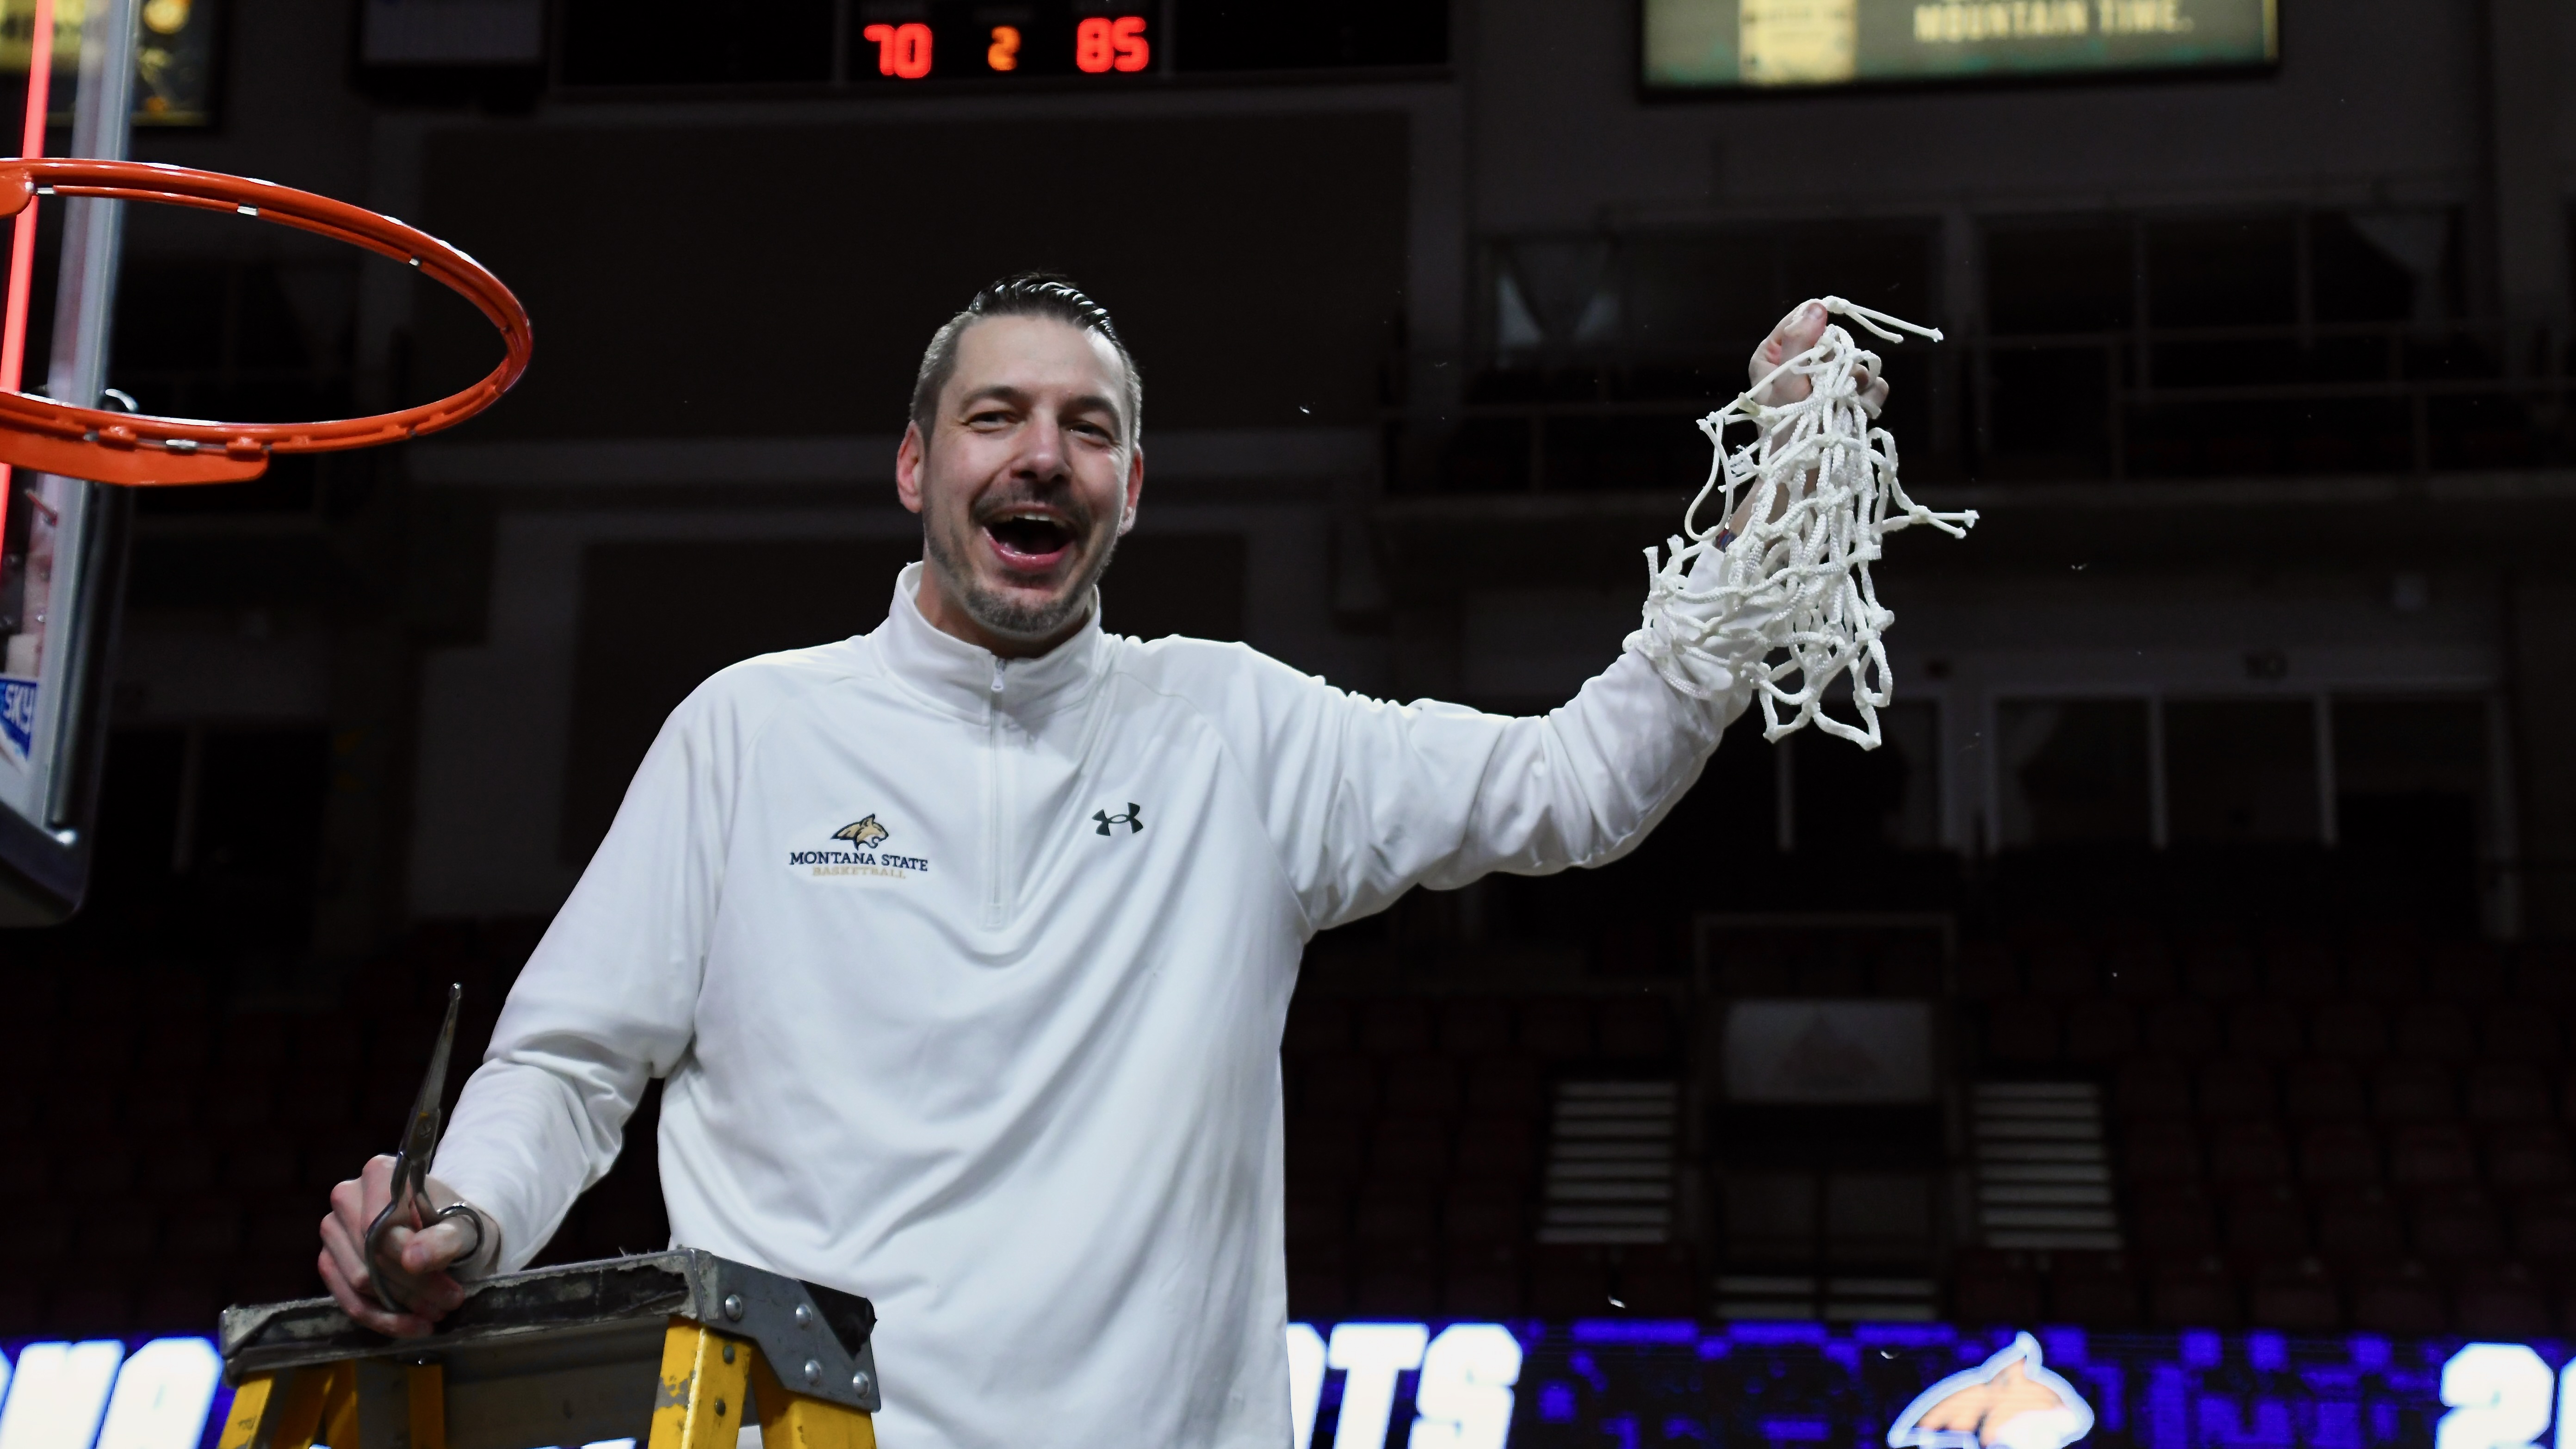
{"type": "Point", "coordinates": [1101, 45]}
{"type": "Point", "coordinates": [902, 50]}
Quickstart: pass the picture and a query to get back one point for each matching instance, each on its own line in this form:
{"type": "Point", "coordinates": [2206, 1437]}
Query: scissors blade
{"type": "Point", "coordinates": [420, 1134]}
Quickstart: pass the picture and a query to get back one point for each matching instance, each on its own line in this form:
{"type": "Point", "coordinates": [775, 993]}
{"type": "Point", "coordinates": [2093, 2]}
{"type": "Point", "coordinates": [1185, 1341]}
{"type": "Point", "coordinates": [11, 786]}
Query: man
{"type": "Point", "coordinates": [965, 945]}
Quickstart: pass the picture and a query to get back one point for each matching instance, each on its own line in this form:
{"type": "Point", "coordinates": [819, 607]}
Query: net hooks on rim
{"type": "Point", "coordinates": [1819, 490]}
{"type": "Point", "coordinates": [140, 449]}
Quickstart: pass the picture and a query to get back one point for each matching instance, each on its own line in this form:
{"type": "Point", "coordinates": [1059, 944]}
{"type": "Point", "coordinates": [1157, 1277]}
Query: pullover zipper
{"type": "Point", "coordinates": [993, 913]}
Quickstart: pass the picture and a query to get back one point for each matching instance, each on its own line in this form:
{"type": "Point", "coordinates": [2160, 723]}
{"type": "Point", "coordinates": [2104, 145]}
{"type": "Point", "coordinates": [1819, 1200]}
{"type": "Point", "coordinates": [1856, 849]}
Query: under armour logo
{"type": "Point", "coordinates": [1134, 820]}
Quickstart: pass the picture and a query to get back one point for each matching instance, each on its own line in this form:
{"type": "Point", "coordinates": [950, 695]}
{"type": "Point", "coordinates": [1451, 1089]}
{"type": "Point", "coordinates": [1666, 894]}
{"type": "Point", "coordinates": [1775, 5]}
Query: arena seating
{"type": "Point", "coordinates": [171, 1137]}
{"type": "Point", "coordinates": [176, 1130]}
{"type": "Point", "coordinates": [1416, 1126]}
{"type": "Point", "coordinates": [2312, 1132]}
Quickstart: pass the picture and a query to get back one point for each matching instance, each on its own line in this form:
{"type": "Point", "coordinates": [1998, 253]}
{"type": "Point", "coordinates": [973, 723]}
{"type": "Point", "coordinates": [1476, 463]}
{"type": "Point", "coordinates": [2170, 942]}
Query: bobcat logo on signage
{"type": "Point", "coordinates": [862, 833]}
{"type": "Point", "coordinates": [2012, 1400]}
{"type": "Point", "coordinates": [859, 857]}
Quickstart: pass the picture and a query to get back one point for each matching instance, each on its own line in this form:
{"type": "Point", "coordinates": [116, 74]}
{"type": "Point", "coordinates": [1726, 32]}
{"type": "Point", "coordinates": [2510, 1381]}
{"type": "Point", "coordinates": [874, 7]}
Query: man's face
{"type": "Point", "coordinates": [1028, 475]}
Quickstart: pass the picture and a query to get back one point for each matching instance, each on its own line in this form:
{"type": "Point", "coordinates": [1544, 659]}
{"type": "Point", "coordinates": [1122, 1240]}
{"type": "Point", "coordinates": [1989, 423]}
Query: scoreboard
{"type": "Point", "coordinates": [974, 41]}
{"type": "Point", "coordinates": [892, 45]}
{"type": "Point", "coordinates": [174, 58]}
{"type": "Point", "coordinates": [1721, 45]}
{"type": "Point", "coordinates": [897, 41]}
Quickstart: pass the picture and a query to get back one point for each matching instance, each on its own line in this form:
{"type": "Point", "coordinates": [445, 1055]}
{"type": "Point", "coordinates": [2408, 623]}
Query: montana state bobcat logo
{"type": "Point", "coordinates": [853, 854]}
{"type": "Point", "coordinates": [2011, 1400]}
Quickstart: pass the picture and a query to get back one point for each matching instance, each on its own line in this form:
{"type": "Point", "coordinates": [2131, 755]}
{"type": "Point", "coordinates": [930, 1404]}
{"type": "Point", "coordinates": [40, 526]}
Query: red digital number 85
{"type": "Point", "coordinates": [1101, 45]}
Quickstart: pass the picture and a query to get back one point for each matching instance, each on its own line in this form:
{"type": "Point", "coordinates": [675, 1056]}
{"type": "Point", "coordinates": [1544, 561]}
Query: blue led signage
{"type": "Point", "coordinates": [1652, 1385]}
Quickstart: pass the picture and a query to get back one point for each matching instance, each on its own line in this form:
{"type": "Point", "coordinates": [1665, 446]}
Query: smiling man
{"type": "Point", "coordinates": [1039, 470]}
{"type": "Point", "coordinates": [964, 945]}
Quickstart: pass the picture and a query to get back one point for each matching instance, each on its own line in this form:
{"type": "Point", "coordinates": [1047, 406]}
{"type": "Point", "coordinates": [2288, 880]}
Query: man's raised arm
{"type": "Point", "coordinates": [1370, 799]}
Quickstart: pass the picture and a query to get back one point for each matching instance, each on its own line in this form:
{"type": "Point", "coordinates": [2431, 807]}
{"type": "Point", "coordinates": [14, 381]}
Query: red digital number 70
{"type": "Point", "coordinates": [902, 50]}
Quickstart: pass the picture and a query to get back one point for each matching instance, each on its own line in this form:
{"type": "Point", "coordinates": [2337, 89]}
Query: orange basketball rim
{"type": "Point", "coordinates": [133, 448]}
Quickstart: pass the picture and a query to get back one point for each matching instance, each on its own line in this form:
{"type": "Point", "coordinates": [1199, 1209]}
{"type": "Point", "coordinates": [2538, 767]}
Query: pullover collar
{"type": "Point", "coordinates": [968, 679]}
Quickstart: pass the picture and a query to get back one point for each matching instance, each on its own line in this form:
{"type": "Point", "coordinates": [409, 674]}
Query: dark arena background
{"type": "Point", "coordinates": [2186, 985]}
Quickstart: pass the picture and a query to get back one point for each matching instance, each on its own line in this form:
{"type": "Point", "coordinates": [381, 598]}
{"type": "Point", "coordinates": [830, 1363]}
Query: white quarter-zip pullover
{"type": "Point", "coordinates": [968, 976]}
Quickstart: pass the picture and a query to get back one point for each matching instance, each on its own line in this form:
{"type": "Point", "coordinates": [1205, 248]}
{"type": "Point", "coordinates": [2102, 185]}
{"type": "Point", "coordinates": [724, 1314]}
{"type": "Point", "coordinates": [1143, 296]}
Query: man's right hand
{"type": "Point", "coordinates": [416, 1264]}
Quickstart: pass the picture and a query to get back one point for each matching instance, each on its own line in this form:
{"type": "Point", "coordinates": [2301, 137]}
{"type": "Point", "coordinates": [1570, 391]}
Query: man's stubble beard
{"type": "Point", "coordinates": [1007, 617]}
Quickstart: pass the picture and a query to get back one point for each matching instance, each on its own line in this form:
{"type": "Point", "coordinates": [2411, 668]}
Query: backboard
{"type": "Point", "coordinates": [62, 540]}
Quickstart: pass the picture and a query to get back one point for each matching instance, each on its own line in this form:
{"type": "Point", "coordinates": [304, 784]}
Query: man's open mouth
{"type": "Point", "coordinates": [1029, 539]}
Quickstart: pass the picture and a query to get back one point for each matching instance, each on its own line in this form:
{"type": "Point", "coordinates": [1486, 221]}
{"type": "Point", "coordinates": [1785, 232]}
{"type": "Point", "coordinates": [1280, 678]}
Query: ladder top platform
{"type": "Point", "coordinates": [817, 1338]}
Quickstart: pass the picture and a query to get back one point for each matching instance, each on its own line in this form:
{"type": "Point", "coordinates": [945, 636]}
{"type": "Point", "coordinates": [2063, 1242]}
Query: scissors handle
{"type": "Point", "coordinates": [405, 1209]}
{"type": "Point", "coordinates": [411, 1163]}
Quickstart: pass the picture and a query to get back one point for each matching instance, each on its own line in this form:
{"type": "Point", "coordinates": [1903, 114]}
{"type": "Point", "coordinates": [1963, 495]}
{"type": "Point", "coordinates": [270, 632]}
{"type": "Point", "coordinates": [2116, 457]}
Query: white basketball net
{"type": "Point", "coordinates": [1818, 486]}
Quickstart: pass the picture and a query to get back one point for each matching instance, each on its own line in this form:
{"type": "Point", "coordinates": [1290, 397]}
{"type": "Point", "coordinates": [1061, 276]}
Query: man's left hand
{"type": "Point", "coordinates": [1796, 333]}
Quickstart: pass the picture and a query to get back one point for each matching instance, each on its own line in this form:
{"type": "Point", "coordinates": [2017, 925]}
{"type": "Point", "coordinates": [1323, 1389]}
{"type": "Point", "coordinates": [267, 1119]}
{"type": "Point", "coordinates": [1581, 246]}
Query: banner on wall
{"type": "Point", "coordinates": [1722, 45]}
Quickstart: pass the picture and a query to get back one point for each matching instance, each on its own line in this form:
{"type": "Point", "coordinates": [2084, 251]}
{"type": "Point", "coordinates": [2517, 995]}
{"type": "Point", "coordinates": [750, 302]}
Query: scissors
{"type": "Point", "coordinates": [410, 1205]}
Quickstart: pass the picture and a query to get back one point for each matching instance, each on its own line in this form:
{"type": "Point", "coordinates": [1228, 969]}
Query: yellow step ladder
{"type": "Point", "coordinates": [673, 1350]}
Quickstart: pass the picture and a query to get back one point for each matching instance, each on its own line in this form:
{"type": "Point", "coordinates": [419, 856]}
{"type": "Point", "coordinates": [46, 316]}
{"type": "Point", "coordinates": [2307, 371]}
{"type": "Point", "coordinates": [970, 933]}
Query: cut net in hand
{"type": "Point", "coordinates": [1817, 491]}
